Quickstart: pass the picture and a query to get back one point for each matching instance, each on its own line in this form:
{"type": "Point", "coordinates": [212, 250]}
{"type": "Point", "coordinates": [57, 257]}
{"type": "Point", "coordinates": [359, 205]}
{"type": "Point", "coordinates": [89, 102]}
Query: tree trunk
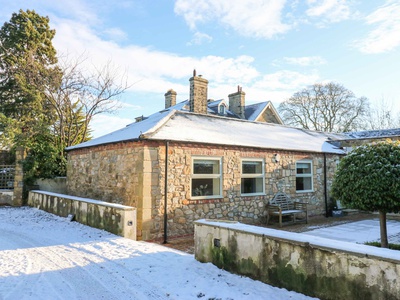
{"type": "Point", "coordinates": [384, 238]}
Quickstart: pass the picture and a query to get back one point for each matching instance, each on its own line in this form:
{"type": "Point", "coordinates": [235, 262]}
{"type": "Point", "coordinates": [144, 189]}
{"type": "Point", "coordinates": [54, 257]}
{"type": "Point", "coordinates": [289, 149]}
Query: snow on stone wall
{"type": "Point", "coordinates": [313, 266]}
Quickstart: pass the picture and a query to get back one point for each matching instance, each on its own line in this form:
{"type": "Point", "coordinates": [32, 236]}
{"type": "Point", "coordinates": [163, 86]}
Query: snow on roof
{"type": "Point", "coordinates": [254, 110]}
{"type": "Point", "coordinates": [130, 132]}
{"type": "Point", "coordinates": [190, 127]}
{"type": "Point", "coordinates": [370, 134]}
{"type": "Point", "coordinates": [213, 103]}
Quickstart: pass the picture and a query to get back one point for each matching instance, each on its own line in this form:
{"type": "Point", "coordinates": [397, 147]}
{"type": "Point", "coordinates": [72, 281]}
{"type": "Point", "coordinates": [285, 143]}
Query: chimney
{"type": "Point", "coordinates": [237, 102]}
{"type": "Point", "coordinates": [170, 98]}
{"type": "Point", "coordinates": [198, 94]}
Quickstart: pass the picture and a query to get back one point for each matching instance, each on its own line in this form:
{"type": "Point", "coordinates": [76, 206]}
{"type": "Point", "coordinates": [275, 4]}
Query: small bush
{"type": "Point", "coordinates": [378, 244]}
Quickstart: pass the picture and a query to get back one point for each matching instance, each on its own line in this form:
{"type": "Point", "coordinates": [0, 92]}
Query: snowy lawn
{"type": "Point", "coordinates": [43, 256]}
{"type": "Point", "coordinates": [359, 232]}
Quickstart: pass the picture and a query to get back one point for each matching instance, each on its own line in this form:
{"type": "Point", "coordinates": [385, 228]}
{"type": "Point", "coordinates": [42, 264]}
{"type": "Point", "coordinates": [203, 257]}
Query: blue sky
{"type": "Point", "coordinates": [272, 48]}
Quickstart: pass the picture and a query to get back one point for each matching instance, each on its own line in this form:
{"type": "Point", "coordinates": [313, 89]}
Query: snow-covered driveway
{"type": "Point", "coordinates": [43, 256]}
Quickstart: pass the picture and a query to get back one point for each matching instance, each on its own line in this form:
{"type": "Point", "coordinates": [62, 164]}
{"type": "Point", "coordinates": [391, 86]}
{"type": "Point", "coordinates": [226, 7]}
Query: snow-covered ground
{"type": "Point", "coordinates": [43, 256]}
{"type": "Point", "coordinates": [359, 232]}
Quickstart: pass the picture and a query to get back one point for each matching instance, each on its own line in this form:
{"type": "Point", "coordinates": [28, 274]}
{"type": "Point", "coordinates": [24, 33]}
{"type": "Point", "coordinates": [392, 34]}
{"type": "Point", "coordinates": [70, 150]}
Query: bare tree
{"type": "Point", "coordinates": [82, 95]}
{"type": "Point", "coordinates": [325, 107]}
{"type": "Point", "coordinates": [383, 116]}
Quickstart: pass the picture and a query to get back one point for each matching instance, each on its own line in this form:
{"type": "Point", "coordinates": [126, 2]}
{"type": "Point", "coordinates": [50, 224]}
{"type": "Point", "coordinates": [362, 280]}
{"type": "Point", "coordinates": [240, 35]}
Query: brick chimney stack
{"type": "Point", "coordinates": [170, 98]}
{"type": "Point", "coordinates": [237, 102]}
{"type": "Point", "coordinates": [198, 94]}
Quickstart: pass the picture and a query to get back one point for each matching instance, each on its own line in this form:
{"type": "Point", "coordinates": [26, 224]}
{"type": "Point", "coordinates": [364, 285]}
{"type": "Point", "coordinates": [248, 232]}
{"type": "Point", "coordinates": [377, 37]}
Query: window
{"type": "Point", "coordinates": [304, 176]}
{"type": "Point", "coordinates": [253, 179]}
{"type": "Point", "coordinates": [221, 109]}
{"type": "Point", "coordinates": [206, 178]}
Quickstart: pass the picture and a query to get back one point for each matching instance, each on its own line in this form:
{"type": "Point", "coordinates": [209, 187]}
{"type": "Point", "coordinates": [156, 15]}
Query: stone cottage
{"type": "Point", "coordinates": [197, 160]}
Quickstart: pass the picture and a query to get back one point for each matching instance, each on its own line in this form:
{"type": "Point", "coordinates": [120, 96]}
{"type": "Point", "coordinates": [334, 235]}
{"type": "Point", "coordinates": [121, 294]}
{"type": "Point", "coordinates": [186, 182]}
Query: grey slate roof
{"type": "Point", "coordinates": [371, 134]}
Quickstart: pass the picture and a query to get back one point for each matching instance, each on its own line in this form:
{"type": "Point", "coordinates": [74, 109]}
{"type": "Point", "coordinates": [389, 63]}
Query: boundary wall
{"type": "Point", "coordinates": [114, 218]}
{"type": "Point", "coordinates": [313, 266]}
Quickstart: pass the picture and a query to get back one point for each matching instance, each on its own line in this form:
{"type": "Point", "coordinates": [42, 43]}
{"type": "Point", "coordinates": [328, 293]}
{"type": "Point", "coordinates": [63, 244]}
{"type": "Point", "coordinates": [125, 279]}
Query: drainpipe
{"type": "Point", "coordinates": [166, 193]}
{"type": "Point", "coordinates": [325, 188]}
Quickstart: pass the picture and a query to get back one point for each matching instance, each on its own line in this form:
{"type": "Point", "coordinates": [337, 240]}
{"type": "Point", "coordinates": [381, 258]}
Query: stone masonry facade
{"type": "Point", "coordinates": [133, 174]}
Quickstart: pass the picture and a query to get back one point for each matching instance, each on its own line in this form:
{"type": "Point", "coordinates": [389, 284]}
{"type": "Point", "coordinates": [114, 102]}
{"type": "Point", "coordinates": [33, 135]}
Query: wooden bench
{"type": "Point", "coordinates": [282, 205]}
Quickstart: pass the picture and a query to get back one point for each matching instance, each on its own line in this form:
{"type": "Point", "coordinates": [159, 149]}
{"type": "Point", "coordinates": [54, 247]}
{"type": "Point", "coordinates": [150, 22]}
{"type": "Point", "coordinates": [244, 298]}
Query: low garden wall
{"type": "Point", "coordinates": [314, 266]}
{"type": "Point", "coordinates": [114, 218]}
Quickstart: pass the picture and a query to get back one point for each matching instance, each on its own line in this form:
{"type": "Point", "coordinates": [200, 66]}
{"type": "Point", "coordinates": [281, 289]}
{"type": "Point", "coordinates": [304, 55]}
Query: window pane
{"type": "Point", "coordinates": [252, 167]}
{"type": "Point", "coordinates": [206, 187]}
{"type": "Point", "coordinates": [303, 168]}
{"type": "Point", "coordinates": [303, 184]}
{"type": "Point", "coordinates": [252, 185]}
{"type": "Point", "coordinates": [206, 167]}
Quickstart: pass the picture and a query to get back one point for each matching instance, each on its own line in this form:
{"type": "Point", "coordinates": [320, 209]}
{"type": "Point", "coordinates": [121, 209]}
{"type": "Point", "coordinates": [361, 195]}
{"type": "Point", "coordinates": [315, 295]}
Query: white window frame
{"type": "Point", "coordinates": [206, 176]}
{"type": "Point", "coordinates": [221, 109]}
{"type": "Point", "coordinates": [255, 175]}
{"type": "Point", "coordinates": [311, 175]}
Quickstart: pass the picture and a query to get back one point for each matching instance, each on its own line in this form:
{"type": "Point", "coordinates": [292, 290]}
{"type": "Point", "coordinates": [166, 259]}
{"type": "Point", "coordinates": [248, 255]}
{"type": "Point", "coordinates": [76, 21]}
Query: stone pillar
{"type": "Point", "coordinates": [170, 98]}
{"type": "Point", "coordinates": [19, 177]}
{"type": "Point", "coordinates": [237, 102]}
{"type": "Point", "coordinates": [198, 94]}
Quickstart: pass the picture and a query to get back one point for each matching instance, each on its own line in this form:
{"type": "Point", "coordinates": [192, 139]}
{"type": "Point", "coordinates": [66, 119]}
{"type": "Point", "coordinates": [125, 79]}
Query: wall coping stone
{"type": "Point", "coordinates": [87, 200]}
{"type": "Point", "coordinates": [304, 239]}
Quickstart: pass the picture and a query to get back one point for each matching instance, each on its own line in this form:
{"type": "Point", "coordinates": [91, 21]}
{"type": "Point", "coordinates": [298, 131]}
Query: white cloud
{"type": "Point", "coordinates": [115, 34]}
{"type": "Point", "coordinates": [199, 38]}
{"type": "Point", "coordinates": [386, 36]}
{"type": "Point", "coordinates": [155, 71]}
{"type": "Point", "coordinates": [305, 60]}
{"type": "Point", "coordinates": [150, 70]}
{"type": "Point", "coordinates": [254, 18]}
{"type": "Point", "coordinates": [287, 80]}
{"type": "Point", "coordinates": [329, 10]}
{"type": "Point", "coordinates": [103, 124]}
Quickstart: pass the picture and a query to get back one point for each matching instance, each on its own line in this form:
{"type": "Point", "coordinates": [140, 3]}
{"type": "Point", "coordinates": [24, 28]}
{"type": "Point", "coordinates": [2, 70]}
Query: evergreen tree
{"type": "Point", "coordinates": [27, 71]}
{"type": "Point", "coordinates": [368, 178]}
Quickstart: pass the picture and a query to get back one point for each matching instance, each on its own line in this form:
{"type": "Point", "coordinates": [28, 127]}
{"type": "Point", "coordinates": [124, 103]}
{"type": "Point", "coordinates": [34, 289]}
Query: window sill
{"type": "Point", "coordinates": [206, 197]}
{"type": "Point", "coordinates": [253, 194]}
{"type": "Point", "coordinates": [305, 191]}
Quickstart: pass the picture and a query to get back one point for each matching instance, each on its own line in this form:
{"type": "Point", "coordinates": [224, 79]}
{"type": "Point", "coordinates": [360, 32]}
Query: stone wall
{"type": "Point", "coordinates": [114, 218]}
{"type": "Point", "coordinates": [251, 210]}
{"type": "Point", "coordinates": [18, 193]}
{"type": "Point", "coordinates": [133, 174]}
{"type": "Point", "coordinates": [312, 266]}
{"type": "Point", "coordinates": [118, 173]}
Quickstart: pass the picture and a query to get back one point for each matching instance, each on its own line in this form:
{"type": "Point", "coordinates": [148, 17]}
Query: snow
{"type": "Point", "coordinates": [184, 126]}
{"type": "Point", "coordinates": [190, 127]}
{"type": "Point", "coordinates": [350, 236]}
{"type": "Point", "coordinates": [131, 132]}
{"type": "Point", "coordinates": [370, 134]}
{"type": "Point", "coordinates": [255, 110]}
{"type": "Point", "coordinates": [43, 256]}
{"type": "Point", "coordinates": [87, 200]}
{"type": "Point", "coordinates": [359, 232]}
